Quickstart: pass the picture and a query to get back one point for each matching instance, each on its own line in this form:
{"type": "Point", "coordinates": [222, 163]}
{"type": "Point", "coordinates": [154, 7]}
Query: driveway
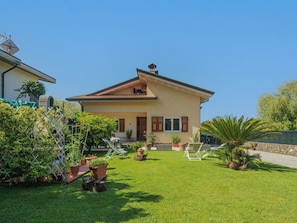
{"type": "Point", "coordinates": [276, 158]}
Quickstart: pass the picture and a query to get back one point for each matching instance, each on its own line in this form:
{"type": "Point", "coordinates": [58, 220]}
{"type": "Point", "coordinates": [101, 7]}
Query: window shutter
{"type": "Point", "coordinates": [122, 125]}
{"type": "Point", "coordinates": [157, 124]}
{"type": "Point", "coordinates": [184, 124]}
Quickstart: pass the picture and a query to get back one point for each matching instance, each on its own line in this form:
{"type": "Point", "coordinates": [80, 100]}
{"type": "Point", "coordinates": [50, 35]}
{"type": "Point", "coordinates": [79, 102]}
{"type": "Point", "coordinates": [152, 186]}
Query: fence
{"type": "Point", "coordinates": [285, 137]}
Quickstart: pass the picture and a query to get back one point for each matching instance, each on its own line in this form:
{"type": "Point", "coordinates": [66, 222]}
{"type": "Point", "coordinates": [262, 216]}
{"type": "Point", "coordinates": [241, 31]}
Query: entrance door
{"type": "Point", "coordinates": [141, 128]}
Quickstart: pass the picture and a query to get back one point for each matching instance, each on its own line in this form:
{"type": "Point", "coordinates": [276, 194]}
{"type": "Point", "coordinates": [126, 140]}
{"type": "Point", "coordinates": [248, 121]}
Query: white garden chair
{"type": "Point", "coordinates": [193, 151]}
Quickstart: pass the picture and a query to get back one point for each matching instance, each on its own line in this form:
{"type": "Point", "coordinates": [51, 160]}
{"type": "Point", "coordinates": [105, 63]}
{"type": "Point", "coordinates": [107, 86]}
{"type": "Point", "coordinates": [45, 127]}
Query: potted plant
{"type": "Point", "coordinates": [176, 140]}
{"type": "Point", "coordinates": [140, 151]}
{"type": "Point", "coordinates": [136, 145]}
{"type": "Point", "coordinates": [151, 138]}
{"type": "Point", "coordinates": [98, 167]}
{"type": "Point", "coordinates": [73, 157]}
{"type": "Point", "coordinates": [129, 134]}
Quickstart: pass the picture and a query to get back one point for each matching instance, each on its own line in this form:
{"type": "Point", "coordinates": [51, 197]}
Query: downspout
{"type": "Point", "coordinates": [2, 79]}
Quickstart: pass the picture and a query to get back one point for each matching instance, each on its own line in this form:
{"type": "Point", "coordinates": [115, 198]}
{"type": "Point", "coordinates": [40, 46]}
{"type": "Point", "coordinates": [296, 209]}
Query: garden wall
{"type": "Point", "coordinates": [277, 148]}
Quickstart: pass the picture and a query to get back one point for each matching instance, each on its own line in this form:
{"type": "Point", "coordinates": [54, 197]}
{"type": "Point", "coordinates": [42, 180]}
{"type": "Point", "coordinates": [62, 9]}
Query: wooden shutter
{"type": "Point", "coordinates": [121, 125]}
{"type": "Point", "coordinates": [157, 124]}
{"type": "Point", "coordinates": [184, 124]}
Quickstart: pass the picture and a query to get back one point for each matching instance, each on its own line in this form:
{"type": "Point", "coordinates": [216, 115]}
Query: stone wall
{"type": "Point", "coordinates": [277, 148]}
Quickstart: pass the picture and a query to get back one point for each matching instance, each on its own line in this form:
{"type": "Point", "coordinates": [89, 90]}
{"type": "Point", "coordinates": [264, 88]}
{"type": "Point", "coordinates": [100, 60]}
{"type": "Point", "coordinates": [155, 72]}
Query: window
{"type": "Point", "coordinates": [157, 124]}
{"type": "Point", "coordinates": [172, 124]}
{"type": "Point", "coordinates": [120, 125]}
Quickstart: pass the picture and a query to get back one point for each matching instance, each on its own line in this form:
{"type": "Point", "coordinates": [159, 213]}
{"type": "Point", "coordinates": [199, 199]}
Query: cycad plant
{"type": "Point", "coordinates": [234, 133]}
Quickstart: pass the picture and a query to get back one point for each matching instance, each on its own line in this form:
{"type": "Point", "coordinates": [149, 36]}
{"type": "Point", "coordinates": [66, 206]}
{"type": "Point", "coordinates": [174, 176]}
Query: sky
{"type": "Point", "coordinates": [240, 50]}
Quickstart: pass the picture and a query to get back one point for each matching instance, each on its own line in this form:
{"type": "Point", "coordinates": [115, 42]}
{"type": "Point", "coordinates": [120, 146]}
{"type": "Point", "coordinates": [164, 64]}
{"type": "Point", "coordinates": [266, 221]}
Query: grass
{"type": "Point", "coordinates": [164, 188]}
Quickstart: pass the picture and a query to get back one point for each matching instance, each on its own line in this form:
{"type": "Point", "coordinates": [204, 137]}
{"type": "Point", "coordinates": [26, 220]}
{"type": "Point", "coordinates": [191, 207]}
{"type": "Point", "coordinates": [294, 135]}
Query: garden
{"type": "Point", "coordinates": [165, 187]}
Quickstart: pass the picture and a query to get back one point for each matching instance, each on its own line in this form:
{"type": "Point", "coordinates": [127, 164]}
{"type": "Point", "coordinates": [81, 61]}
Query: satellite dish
{"type": "Point", "coordinates": [9, 47]}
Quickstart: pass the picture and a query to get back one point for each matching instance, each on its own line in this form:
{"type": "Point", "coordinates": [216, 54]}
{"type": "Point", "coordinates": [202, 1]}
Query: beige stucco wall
{"type": "Point", "coordinates": [13, 80]}
{"type": "Point", "coordinates": [171, 102]}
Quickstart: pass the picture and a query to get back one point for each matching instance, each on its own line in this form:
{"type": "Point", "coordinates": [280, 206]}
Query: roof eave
{"type": "Point", "coordinates": [175, 82]}
{"type": "Point", "coordinates": [7, 58]}
{"type": "Point", "coordinates": [111, 99]}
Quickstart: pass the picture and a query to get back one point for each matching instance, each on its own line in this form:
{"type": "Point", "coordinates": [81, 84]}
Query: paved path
{"type": "Point", "coordinates": [276, 158]}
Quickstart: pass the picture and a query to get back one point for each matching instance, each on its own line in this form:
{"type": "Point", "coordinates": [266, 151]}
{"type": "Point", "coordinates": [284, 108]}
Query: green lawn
{"type": "Point", "coordinates": [164, 188]}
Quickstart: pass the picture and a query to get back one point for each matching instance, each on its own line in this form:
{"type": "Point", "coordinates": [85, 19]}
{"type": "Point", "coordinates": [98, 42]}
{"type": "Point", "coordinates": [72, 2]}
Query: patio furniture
{"type": "Point", "coordinates": [114, 150]}
{"type": "Point", "coordinates": [193, 151]}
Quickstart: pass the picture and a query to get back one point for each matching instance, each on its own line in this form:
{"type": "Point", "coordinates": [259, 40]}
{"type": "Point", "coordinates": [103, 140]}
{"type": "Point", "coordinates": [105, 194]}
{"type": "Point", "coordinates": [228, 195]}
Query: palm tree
{"type": "Point", "coordinates": [234, 133]}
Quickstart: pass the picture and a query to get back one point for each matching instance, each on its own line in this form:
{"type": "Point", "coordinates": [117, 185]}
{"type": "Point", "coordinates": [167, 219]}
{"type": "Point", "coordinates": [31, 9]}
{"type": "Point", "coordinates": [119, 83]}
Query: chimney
{"type": "Point", "coordinates": [153, 67]}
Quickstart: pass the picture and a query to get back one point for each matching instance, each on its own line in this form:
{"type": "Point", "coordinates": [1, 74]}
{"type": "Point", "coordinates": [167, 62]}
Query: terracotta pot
{"type": "Point", "coordinates": [243, 167]}
{"type": "Point", "coordinates": [140, 152]}
{"type": "Point", "coordinates": [42, 179]}
{"type": "Point", "coordinates": [98, 172]}
{"type": "Point", "coordinates": [89, 158]}
{"type": "Point", "coordinates": [231, 165]}
{"type": "Point", "coordinates": [74, 170]}
{"type": "Point", "coordinates": [83, 162]}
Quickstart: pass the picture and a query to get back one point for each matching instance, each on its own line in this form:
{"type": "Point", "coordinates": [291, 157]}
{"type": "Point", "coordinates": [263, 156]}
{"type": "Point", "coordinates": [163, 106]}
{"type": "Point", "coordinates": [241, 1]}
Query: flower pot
{"type": "Point", "coordinates": [140, 152]}
{"type": "Point", "coordinates": [89, 158]}
{"type": "Point", "coordinates": [42, 179]}
{"type": "Point", "coordinates": [74, 170]}
{"type": "Point", "coordinates": [231, 165]}
{"type": "Point", "coordinates": [98, 172]}
{"type": "Point", "coordinates": [83, 162]}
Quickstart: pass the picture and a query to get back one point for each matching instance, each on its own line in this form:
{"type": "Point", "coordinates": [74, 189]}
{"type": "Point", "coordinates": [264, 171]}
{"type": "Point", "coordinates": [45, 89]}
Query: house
{"type": "Point", "coordinates": [149, 103]}
{"type": "Point", "coordinates": [13, 72]}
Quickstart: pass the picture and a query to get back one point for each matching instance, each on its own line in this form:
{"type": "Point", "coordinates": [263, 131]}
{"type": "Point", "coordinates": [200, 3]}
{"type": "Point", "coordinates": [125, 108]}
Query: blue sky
{"type": "Point", "coordinates": [238, 49]}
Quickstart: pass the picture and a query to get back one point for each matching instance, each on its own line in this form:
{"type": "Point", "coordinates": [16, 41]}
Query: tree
{"type": "Point", "coordinates": [96, 127]}
{"type": "Point", "coordinates": [280, 108]}
{"type": "Point", "coordinates": [31, 88]}
{"type": "Point", "coordinates": [234, 132]}
{"type": "Point", "coordinates": [69, 109]}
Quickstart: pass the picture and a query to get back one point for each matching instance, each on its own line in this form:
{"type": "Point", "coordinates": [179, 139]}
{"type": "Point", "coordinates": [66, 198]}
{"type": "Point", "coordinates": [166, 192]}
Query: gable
{"type": "Point", "coordinates": [171, 83]}
{"type": "Point", "coordinates": [140, 88]}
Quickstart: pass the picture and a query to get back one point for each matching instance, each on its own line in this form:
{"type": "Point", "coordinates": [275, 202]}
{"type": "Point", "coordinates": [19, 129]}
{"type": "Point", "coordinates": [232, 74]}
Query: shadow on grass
{"type": "Point", "coordinates": [262, 166]}
{"type": "Point", "coordinates": [69, 203]}
{"type": "Point", "coordinates": [265, 166]}
{"type": "Point", "coordinates": [117, 204]}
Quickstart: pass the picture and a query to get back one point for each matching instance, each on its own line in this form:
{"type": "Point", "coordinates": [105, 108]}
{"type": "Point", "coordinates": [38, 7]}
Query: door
{"type": "Point", "coordinates": [141, 128]}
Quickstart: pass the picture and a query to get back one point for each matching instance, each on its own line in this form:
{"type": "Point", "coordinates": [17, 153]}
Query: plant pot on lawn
{"type": "Point", "coordinates": [98, 168]}
{"type": "Point", "coordinates": [74, 170]}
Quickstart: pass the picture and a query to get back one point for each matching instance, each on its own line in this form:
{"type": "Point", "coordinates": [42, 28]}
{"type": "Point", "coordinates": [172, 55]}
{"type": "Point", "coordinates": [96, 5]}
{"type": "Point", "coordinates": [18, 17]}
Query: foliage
{"type": "Point", "coordinates": [31, 88]}
{"type": "Point", "coordinates": [280, 108]}
{"type": "Point", "coordinates": [176, 139]}
{"type": "Point", "coordinates": [239, 156]}
{"type": "Point", "coordinates": [234, 133]}
{"type": "Point", "coordinates": [97, 126]}
{"type": "Point", "coordinates": [73, 153]}
{"type": "Point", "coordinates": [143, 191]}
{"type": "Point", "coordinates": [196, 137]}
{"type": "Point", "coordinates": [67, 108]}
{"type": "Point", "coordinates": [129, 133]}
{"type": "Point", "coordinates": [150, 137]}
{"type": "Point", "coordinates": [25, 142]}
{"type": "Point", "coordinates": [137, 145]}
{"type": "Point", "coordinates": [98, 162]}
